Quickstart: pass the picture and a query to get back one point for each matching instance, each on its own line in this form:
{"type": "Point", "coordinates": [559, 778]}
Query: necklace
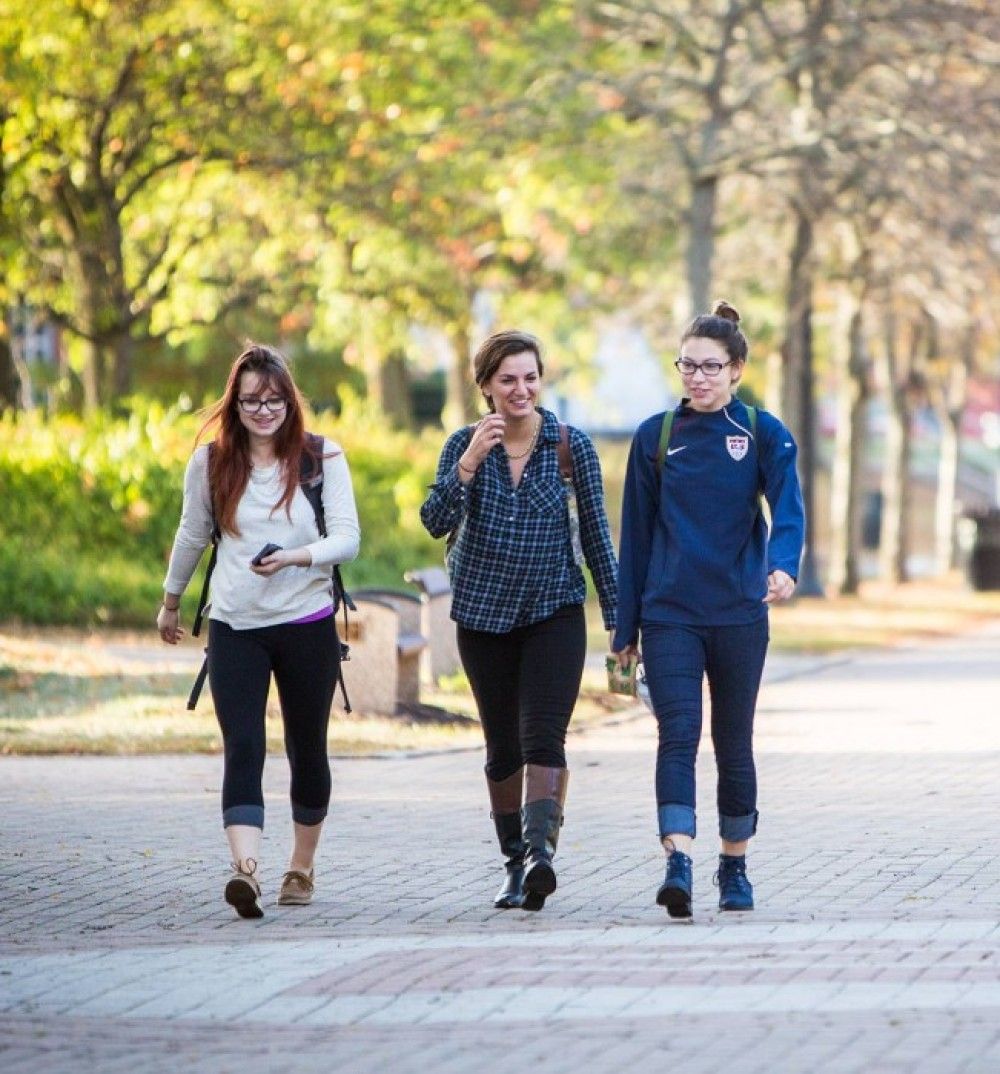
{"type": "Point", "coordinates": [531, 443]}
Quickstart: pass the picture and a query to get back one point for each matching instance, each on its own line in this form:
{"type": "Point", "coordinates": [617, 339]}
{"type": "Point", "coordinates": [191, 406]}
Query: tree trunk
{"type": "Point", "coordinates": [798, 301]}
{"type": "Point", "coordinates": [854, 377]}
{"type": "Point", "coordinates": [949, 402]}
{"type": "Point", "coordinates": [122, 353]}
{"type": "Point", "coordinates": [396, 390]}
{"type": "Point", "coordinates": [896, 489]}
{"type": "Point", "coordinates": [945, 500]}
{"type": "Point", "coordinates": [798, 393]}
{"type": "Point", "coordinates": [701, 244]}
{"type": "Point", "coordinates": [8, 377]}
{"type": "Point", "coordinates": [93, 376]}
{"type": "Point", "coordinates": [460, 386]}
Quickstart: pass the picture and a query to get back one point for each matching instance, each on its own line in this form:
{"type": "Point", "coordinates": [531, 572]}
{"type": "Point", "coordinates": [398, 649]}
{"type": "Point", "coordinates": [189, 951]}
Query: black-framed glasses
{"type": "Point", "coordinates": [250, 404]}
{"type": "Point", "coordinates": [711, 368]}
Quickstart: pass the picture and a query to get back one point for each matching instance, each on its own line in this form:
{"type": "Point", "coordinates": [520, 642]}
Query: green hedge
{"type": "Point", "coordinates": [90, 509]}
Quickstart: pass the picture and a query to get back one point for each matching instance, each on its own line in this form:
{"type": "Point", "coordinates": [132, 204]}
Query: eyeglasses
{"type": "Point", "coordinates": [250, 404]}
{"type": "Point", "coordinates": [688, 368]}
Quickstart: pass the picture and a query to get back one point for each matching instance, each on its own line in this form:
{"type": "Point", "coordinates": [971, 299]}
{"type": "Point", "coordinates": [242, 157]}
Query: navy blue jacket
{"type": "Point", "coordinates": [695, 547]}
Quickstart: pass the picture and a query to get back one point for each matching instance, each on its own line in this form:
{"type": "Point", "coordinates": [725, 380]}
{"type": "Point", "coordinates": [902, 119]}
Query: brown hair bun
{"type": "Point", "coordinates": [727, 312]}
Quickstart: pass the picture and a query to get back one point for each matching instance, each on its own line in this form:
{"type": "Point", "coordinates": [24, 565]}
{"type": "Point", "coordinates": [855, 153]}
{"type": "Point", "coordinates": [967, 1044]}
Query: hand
{"type": "Point", "coordinates": [168, 623]}
{"type": "Point", "coordinates": [626, 655]}
{"type": "Point", "coordinates": [284, 557]}
{"type": "Point", "coordinates": [780, 586]}
{"type": "Point", "coordinates": [488, 433]}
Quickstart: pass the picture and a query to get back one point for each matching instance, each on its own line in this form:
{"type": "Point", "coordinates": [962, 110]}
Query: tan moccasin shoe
{"type": "Point", "coordinates": [243, 891]}
{"type": "Point", "coordinates": [296, 888]}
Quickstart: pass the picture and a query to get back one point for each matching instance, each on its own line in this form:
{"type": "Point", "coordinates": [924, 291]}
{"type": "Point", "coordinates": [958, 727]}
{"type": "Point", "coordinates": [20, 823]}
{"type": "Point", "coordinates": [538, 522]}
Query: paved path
{"type": "Point", "coordinates": [875, 946]}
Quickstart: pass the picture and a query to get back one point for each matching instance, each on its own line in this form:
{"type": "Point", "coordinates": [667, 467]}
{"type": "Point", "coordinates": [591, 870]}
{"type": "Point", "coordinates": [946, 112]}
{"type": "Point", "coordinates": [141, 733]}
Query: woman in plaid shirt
{"type": "Point", "coordinates": [516, 544]}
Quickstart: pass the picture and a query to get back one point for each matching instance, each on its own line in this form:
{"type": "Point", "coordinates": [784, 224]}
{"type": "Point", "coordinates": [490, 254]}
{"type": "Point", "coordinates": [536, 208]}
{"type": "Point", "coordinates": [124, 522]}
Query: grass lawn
{"type": "Point", "coordinates": [64, 691]}
{"type": "Point", "coordinates": [111, 692]}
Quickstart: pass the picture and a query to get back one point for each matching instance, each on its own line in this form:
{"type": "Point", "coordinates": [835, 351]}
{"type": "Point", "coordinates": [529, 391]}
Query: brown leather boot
{"type": "Point", "coordinates": [505, 803]}
{"type": "Point", "coordinates": [541, 819]}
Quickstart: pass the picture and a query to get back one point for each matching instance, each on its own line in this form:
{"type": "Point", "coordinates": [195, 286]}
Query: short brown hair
{"type": "Point", "coordinates": [502, 345]}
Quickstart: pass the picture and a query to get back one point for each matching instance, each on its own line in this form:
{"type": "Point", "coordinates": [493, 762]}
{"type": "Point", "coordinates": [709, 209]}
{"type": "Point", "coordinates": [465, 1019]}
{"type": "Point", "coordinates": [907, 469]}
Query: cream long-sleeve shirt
{"type": "Point", "coordinates": [240, 598]}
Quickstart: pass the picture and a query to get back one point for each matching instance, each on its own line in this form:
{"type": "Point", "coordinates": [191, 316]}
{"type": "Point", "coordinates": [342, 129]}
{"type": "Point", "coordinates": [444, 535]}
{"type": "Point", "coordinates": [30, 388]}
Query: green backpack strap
{"type": "Point", "coordinates": [661, 451]}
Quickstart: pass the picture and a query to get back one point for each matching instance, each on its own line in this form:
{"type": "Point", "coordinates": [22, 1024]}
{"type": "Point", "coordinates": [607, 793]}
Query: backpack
{"type": "Point", "coordinates": [312, 487]}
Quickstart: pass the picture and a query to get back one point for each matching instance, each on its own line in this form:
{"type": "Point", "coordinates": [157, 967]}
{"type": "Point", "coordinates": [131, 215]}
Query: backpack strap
{"type": "Point", "coordinates": [665, 427]}
{"type": "Point", "coordinates": [311, 481]}
{"type": "Point", "coordinates": [564, 453]}
{"type": "Point", "coordinates": [216, 537]}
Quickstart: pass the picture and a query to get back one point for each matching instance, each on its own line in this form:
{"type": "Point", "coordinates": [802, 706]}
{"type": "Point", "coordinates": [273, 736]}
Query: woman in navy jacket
{"type": "Point", "coordinates": [697, 570]}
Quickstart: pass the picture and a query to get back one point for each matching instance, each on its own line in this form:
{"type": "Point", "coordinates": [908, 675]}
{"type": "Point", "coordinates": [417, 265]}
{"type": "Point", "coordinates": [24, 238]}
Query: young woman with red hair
{"type": "Point", "coordinates": [270, 614]}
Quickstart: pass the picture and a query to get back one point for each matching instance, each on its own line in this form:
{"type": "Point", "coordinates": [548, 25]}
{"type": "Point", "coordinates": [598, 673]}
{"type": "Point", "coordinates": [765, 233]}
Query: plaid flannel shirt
{"type": "Point", "coordinates": [511, 562]}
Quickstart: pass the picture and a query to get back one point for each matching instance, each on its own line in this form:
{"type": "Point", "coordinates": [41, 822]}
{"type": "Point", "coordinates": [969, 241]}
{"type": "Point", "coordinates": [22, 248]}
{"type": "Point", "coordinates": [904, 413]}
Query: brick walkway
{"type": "Point", "coordinates": [875, 946]}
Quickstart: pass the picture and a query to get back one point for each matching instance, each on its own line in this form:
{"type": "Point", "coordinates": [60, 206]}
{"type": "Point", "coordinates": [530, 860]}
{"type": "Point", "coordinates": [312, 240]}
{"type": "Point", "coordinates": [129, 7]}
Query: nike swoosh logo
{"type": "Point", "coordinates": [674, 450]}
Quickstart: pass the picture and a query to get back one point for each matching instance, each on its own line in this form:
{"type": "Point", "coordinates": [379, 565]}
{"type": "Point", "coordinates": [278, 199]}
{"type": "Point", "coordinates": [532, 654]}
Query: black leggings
{"type": "Point", "coordinates": [305, 659]}
{"type": "Point", "coordinates": [526, 683]}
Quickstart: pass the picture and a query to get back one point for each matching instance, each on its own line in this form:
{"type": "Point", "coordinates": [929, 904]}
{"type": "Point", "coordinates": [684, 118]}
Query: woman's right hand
{"type": "Point", "coordinates": [488, 433]}
{"type": "Point", "coordinates": [626, 655]}
{"type": "Point", "coordinates": [168, 623]}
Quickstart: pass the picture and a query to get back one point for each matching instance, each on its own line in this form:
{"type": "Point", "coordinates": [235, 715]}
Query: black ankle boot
{"type": "Point", "coordinates": [508, 826]}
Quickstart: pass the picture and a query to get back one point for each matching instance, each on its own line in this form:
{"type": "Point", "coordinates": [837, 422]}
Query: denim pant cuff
{"type": "Point", "coordinates": [675, 820]}
{"type": "Point", "coordinates": [738, 829]}
{"type": "Point", "coordinates": [250, 815]}
{"type": "Point", "coordinates": [308, 815]}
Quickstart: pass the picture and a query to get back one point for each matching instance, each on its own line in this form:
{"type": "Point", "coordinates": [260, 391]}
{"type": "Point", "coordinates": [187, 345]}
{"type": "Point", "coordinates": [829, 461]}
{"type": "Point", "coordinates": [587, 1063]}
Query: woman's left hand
{"type": "Point", "coordinates": [284, 557]}
{"type": "Point", "coordinates": [780, 586]}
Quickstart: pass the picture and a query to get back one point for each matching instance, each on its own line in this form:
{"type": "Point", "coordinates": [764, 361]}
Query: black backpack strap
{"type": "Point", "coordinates": [199, 615]}
{"type": "Point", "coordinates": [311, 480]}
{"type": "Point", "coordinates": [199, 682]}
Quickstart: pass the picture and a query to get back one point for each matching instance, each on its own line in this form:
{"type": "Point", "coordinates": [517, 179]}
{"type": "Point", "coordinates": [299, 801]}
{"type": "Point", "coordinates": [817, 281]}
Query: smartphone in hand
{"type": "Point", "coordinates": [264, 553]}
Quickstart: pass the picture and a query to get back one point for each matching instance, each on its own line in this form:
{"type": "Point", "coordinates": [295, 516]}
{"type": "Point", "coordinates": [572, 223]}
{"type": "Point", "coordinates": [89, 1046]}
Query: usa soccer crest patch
{"type": "Point", "coordinates": [737, 446]}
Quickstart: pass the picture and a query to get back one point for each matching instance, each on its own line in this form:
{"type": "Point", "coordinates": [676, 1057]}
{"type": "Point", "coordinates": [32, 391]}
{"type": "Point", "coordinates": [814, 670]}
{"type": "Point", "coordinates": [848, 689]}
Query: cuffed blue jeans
{"type": "Point", "coordinates": [677, 659]}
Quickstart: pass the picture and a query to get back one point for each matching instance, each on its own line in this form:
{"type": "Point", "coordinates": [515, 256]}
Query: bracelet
{"type": "Point", "coordinates": [465, 469]}
{"type": "Point", "coordinates": [167, 608]}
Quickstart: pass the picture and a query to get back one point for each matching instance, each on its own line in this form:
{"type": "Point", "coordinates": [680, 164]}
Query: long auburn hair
{"type": "Point", "coordinates": [229, 467]}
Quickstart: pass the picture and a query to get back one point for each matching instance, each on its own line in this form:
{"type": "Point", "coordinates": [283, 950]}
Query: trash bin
{"type": "Point", "coordinates": [871, 520]}
{"type": "Point", "coordinates": [984, 557]}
